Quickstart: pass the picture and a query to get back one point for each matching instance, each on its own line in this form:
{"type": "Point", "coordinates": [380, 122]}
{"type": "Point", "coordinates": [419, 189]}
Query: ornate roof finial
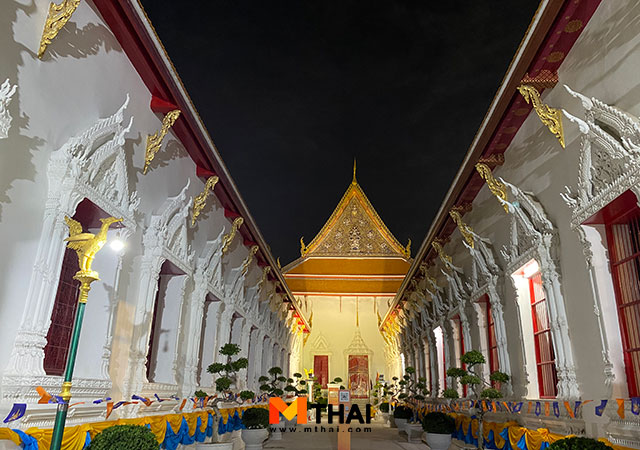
{"type": "Point", "coordinates": [354, 170]}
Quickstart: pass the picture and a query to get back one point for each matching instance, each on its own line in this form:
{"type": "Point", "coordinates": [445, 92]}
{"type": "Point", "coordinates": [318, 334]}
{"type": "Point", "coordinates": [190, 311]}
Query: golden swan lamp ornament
{"type": "Point", "coordinates": [87, 245]}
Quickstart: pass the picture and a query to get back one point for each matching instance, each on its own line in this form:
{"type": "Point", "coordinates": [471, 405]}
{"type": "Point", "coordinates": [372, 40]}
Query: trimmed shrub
{"type": "Point", "coordinates": [125, 437]}
{"type": "Point", "coordinates": [384, 407]}
{"type": "Point", "coordinates": [438, 423]}
{"type": "Point", "coordinates": [256, 418]}
{"type": "Point", "coordinates": [402, 412]}
{"type": "Point", "coordinates": [579, 443]}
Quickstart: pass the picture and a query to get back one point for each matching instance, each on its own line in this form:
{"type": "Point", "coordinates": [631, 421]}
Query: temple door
{"type": "Point", "coordinates": [321, 369]}
{"type": "Point", "coordinates": [359, 376]}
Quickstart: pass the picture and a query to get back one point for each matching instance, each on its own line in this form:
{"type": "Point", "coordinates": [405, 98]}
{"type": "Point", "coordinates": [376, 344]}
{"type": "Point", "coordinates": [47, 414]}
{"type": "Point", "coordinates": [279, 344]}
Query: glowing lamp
{"type": "Point", "coordinates": [117, 244]}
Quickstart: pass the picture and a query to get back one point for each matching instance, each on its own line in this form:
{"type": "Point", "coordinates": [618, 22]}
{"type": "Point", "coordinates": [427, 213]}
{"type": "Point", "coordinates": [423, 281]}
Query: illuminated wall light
{"type": "Point", "coordinates": [117, 244]}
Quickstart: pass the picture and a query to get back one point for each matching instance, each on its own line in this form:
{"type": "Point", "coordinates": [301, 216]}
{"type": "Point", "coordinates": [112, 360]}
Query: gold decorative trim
{"type": "Point", "coordinates": [154, 141]}
{"type": "Point", "coordinates": [496, 187]}
{"type": "Point", "coordinates": [354, 189]}
{"type": "Point", "coordinates": [437, 246]}
{"type": "Point", "coordinates": [550, 117]}
{"type": "Point", "coordinates": [496, 159]}
{"type": "Point", "coordinates": [465, 230]}
{"type": "Point", "coordinates": [227, 240]}
{"type": "Point", "coordinates": [201, 199]}
{"type": "Point", "coordinates": [57, 17]}
{"type": "Point", "coordinates": [247, 262]}
{"type": "Point", "coordinates": [303, 248]}
{"type": "Point", "coordinates": [407, 250]}
{"type": "Point", "coordinates": [265, 274]}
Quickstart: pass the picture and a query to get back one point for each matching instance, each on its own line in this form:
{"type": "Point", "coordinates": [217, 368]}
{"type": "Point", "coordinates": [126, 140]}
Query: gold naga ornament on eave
{"type": "Point", "coordinates": [465, 230]}
{"type": "Point", "coordinates": [201, 199]}
{"type": "Point", "coordinates": [227, 240]}
{"type": "Point", "coordinates": [437, 246]}
{"type": "Point", "coordinates": [264, 277]}
{"type": "Point", "coordinates": [497, 188]}
{"type": "Point", "coordinates": [550, 117]}
{"type": "Point", "coordinates": [154, 141]}
{"type": "Point", "coordinates": [57, 17]}
{"type": "Point", "coordinates": [247, 262]}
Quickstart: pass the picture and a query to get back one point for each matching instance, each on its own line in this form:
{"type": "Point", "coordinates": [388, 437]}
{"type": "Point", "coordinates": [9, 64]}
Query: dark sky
{"type": "Point", "coordinates": [292, 91]}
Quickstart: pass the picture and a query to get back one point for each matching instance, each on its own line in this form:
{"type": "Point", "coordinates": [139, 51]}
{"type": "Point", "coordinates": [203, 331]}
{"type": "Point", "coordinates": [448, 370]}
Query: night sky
{"type": "Point", "coordinates": [292, 91]}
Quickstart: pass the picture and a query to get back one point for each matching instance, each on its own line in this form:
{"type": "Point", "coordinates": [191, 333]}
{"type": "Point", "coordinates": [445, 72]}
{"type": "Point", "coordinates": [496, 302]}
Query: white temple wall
{"type": "Point", "coordinates": [603, 64]}
{"type": "Point", "coordinates": [336, 325]}
{"type": "Point", "coordinates": [85, 76]}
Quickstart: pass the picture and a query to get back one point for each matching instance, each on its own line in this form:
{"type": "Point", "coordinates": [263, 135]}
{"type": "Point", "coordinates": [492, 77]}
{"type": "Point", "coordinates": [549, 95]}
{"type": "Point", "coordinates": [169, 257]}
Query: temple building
{"type": "Point", "coordinates": [118, 213]}
{"type": "Point", "coordinates": [344, 281]}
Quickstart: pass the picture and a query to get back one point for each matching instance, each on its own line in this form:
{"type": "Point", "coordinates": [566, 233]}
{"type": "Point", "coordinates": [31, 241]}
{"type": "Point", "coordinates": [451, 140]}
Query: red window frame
{"type": "Point", "coordinates": [623, 241]}
{"type": "Point", "coordinates": [464, 366]}
{"type": "Point", "coordinates": [545, 356]}
{"type": "Point", "coordinates": [62, 316]}
{"type": "Point", "coordinates": [492, 342]}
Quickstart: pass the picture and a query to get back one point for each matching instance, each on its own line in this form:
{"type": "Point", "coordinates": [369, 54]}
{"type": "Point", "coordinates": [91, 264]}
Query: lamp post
{"type": "Point", "coordinates": [86, 246]}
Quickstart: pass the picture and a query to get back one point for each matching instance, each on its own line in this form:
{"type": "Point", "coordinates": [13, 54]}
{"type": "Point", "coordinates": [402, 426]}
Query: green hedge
{"type": "Point", "coordinates": [579, 443]}
{"type": "Point", "coordinates": [125, 437]}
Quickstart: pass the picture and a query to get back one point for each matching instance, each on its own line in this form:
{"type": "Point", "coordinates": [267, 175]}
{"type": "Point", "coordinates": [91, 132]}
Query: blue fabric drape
{"type": "Point", "coordinates": [28, 442]}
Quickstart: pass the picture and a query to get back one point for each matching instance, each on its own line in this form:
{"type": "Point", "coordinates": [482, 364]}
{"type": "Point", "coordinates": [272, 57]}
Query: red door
{"type": "Point", "coordinates": [359, 376]}
{"type": "Point", "coordinates": [321, 369]}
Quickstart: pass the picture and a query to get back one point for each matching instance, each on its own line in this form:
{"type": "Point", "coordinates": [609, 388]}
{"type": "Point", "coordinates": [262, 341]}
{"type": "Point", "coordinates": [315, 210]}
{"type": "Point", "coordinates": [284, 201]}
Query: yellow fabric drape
{"type": "Point", "coordinates": [7, 434]}
{"type": "Point", "coordinates": [75, 437]}
{"type": "Point", "coordinates": [533, 438]}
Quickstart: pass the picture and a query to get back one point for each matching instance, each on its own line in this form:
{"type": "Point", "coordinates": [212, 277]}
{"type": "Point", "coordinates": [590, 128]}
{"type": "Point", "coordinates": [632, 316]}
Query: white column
{"type": "Point", "coordinates": [223, 336]}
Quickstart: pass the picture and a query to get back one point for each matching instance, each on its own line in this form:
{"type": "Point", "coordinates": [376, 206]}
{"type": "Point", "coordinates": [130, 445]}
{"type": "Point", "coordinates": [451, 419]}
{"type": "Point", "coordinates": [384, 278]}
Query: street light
{"type": "Point", "coordinates": [86, 245]}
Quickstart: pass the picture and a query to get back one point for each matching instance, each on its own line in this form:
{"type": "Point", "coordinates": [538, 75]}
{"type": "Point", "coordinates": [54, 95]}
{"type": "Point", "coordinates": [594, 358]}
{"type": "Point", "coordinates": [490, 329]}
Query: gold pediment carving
{"type": "Point", "coordinates": [355, 229]}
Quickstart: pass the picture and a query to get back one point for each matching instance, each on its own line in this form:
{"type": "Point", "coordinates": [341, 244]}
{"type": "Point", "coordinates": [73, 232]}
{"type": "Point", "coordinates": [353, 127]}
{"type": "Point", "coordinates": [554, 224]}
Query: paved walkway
{"type": "Point", "coordinates": [379, 438]}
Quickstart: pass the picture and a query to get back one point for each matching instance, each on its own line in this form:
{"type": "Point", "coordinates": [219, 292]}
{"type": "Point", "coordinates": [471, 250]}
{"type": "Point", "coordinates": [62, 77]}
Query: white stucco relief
{"type": "Point", "coordinates": [533, 236]}
{"type": "Point", "coordinates": [6, 93]}
{"type": "Point", "coordinates": [90, 165]}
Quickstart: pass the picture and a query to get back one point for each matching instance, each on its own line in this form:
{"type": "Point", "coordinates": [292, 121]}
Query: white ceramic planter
{"type": "Point", "coordinates": [216, 446]}
{"type": "Point", "coordinates": [276, 435]}
{"type": "Point", "coordinates": [414, 432]}
{"type": "Point", "coordinates": [385, 418]}
{"type": "Point", "coordinates": [401, 424]}
{"type": "Point", "coordinates": [438, 441]}
{"type": "Point", "coordinates": [253, 439]}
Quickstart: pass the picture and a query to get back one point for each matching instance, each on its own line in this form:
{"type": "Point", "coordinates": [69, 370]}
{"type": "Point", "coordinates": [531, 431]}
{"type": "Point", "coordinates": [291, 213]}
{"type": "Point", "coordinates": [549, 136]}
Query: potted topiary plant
{"type": "Point", "coordinates": [439, 428]}
{"type": "Point", "coordinates": [226, 382]}
{"type": "Point", "coordinates": [481, 389]}
{"type": "Point", "coordinates": [579, 443]}
{"type": "Point", "coordinates": [392, 390]}
{"type": "Point", "coordinates": [296, 386]}
{"type": "Point", "coordinates": [125, 437]}
{"type": "Point", "coordinates": [401, 415]}
{"type": "Point", "coordinates": [273, 386]}
{"type": "Point", "coordinates": [384, 412]}
{"type": "Point", "coordinates": [256, 422]}
{"type": "Point", "coordinates": [415, 391]}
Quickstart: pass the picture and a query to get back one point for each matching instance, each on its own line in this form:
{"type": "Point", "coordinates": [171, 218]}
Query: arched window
{"type": "Point", "coordinates": [66, 300]}
{"type": "Point", "coordinates": [623, 239]}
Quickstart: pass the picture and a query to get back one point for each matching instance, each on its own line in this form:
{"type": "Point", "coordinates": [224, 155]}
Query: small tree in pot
{"type": "Point", "coordinates": [296, 386]}
{"type": "Point", "coordinates": [439, 427]}
{"type": "Point", "coordinates": [481, 389]}
{"type": "Point", "coordinates": [415, 391]}
{"type": "Point", "coordinates": [256, 422]}
{"type": "Point", "coordinates": [226, 382]}
{"type": "Point", "coordinates": [273, 385]}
